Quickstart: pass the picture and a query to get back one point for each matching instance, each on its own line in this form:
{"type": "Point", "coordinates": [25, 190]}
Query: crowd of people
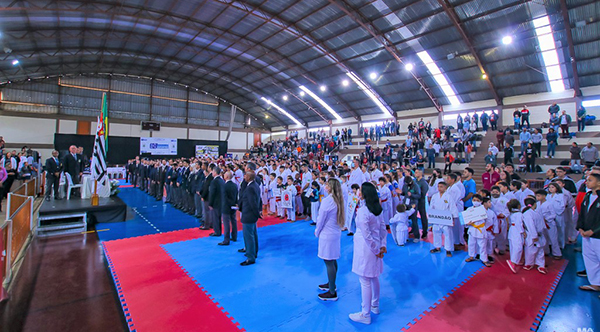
{"type": "Point", "coordinates": [20, 166]}
{"type": "Point", "coordinates": [363, 199]}
{"type": "Point", "coordinates": [318, 145]}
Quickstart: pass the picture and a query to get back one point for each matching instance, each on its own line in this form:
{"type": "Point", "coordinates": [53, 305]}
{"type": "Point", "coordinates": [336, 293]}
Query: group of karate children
{"type": "Point", "coordinates": [529, 224]}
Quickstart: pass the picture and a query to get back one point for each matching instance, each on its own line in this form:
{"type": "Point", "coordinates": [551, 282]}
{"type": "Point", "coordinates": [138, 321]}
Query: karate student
{"type": "Point", "coordinates": [314, 201]}
{"type": "Point", "coordinates": [290, 212]}
{"type": "Point", "coordinates": [352, 208]}
{"type": "Point", "coordinates": [515, 188]}
{"type": "Point", "coordinates": [386, 200]}
{"type": "Point", "coordinates": [264, 189]}
{"type": "Point", "coordinates": [278, 193]}
{"type": "Point", "coordinates": [555, 194]}
{"type": "Point", "coordinates": [502, 211]}
{"type": "Point", "coordinates": [455, 196]}
{"type": "Point", "coordinates": [570, 223]}
{"type": "Point", "coordinates": [477, 243]}
{"type": "Point", "coordinates": [399, 224]}
{"type": "Point", "coordinates": [272, 190]}
{"type": "Point", "coordinates": [491, 227]}
{"type": "Point", "coordinates": [544, 207]}
{"type": "Point", "coordinates": [323, 191]}
{"type": "Point", "coordinates": [516, 234]}
{"type": "Point", "coordinates": [298, 184]}
{"type": "Point", "coordinates": [443, 201]}
{"type": "Point", "coordinates": [588, 226]}
{"type": "Point", "coordinates": [459, 228]}
{"type": "Point", "coordinates": [525, 191]}
{"type": "Point", "coordinates": [534, 239]}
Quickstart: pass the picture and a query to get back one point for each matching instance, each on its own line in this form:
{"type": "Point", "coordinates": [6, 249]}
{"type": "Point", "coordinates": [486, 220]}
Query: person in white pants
{"type": "Point", "coordinates": [477, 244]}
{"type": "Point", "coordinates": [588, 226]}
{"type": "Point", "coordinates": [491, 226]}
{"type": "Point", "coordinates": [551, 232]}
{"type": "Point", "coordinates": [516, 234]}
{"type": "Point", "coordinates": [558, 203]}
{"type": "Point", "coordinates": [534, 240]}
{"type": "Point", "coordinates": [443, 201]}
{"type": "Point", "coordinates": [369, 248]}
{"type": "Point", "coordinates": [570, 222]}
{"type": "Point", "coordinates": [399, 224]}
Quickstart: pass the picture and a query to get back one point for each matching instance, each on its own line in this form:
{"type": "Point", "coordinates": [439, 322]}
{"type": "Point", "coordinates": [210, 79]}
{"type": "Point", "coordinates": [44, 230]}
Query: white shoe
{"type": "Point", "coordinates": [375, 310]}
{"type": "Point", "coordinates": [360, 318]}
{"type": "Point", "coordinates": [415, 240]}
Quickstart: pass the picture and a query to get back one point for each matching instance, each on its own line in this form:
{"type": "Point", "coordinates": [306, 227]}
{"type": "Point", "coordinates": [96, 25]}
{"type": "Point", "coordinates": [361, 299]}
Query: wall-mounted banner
{"type": "Point", "coordinates": [158, 146]}
{"type": "Point", "coordinates": [204, 151]}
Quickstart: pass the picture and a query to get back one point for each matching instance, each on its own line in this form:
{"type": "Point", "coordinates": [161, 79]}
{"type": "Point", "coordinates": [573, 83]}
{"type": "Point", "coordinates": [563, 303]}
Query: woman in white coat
{"type": "Point", "coordinates": [369, 248]}
{"type": "Point", "coordinates": [330, 221]}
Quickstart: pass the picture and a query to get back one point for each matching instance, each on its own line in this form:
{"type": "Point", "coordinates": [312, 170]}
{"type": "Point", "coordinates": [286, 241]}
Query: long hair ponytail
{"type": "Point", "coordinates": [336, 193]}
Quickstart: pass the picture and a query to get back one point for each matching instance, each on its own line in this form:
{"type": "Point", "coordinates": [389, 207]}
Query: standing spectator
{"type": "Point", "coordinates": [459, 147]}
{"type": "Point", "coordinates": [10, 164]}
{"type": "Point", "coordinates": [490, 177]}
{"type": "Point", "coordinates": [536, 139]}
{"type": "Point", "coordinates": [230, 193]}
{"type": "Point", "coordinates": [508, 137]}
{"type": "Point", "coordinates": [53, 169]}
{"type": "Point", "coordinates": [250, 208]}
{"type": "Point", "coordinates": [448, 160]}
{"type": "Point", "coordinates": [565, 121]}
{"type": "Point", "coordinates": [552, 139]}
{"type": "Point", "coordinates": [431, 156]}
{"type": "Point", "coordinates": [589, 154]}
{"type": "Point", "coordinates": [525, 138]}
{"type": "Point", "coordinates": [490, 158]}
{"type": "Point", "coordinates": [459, 123]}
{"type": "Point", "coordinates": [517, 119]}
{"type": "Point", "coordinates": [554, 121]}
{"type": "Point", "coordinates": [484, 121]}
{"type": "Point", "coordinates": [3, 177]}
{"type": "Point", "coordinates": [575, 151]}
{"type": "Point", "coordinates": [530, 154]}
{"type": "Point", "coordinates": [494, 120]}
{"type": "Point", "coordinates": [493, 149]}
{"type": "Point", "coordinates": [500, 138]}
{"type": "Point", "coordinates": [553, 109]}
{"type": "Point", "coordinates": [525, 117]}
{"type": "Point", "coordinates": [587, 225]}
{"type": "Point", "coordinates": [581, 114]}
{"type": "Point", "coordinates": [509, 154]}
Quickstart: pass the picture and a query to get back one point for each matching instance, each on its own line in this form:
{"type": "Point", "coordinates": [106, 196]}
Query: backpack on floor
{"type": "Point", "coordinates": [538, 169]}
{"type": "Point", "coordinates": [589, 120]}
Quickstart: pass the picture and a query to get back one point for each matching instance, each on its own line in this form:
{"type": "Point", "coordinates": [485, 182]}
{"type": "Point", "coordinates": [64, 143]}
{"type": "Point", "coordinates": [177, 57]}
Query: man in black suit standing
{"type": "Point", "coordinates": [229, 202]}
{"type": "Point", "coordinates": [53, 168]}
{"type": "Point", "coordinates": [207, 224]}
{"type": "Point", "coordinates": [215, 200]}
{"type": "Point", "coordinates": [250, 207]}
{"type": "Point", "coordinates": [72, 165]}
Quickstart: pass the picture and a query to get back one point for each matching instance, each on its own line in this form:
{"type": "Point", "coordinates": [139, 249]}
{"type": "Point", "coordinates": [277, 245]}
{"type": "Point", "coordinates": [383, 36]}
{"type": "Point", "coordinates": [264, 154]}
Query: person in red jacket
{"type": "Point", "coordinates": [525, 117]}
{"type": "Point", "coordinates": [490, 177]}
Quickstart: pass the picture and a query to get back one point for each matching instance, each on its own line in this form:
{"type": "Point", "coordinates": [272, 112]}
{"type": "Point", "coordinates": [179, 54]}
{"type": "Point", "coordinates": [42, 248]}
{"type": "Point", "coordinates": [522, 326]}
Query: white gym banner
{"type": "Point", "coordinates": [205, 151]}
{"type": "Point", "coordinates": [157, 146]}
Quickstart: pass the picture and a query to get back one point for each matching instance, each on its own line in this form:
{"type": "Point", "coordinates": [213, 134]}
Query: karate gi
{"type": "Point", "coordinates": [492, 228]}
{"type": "Point", "coordinates": [534, 241]}
{"type": "Point", "coordinates": [515, 236]}
{"type": "Point", "coordinates": [386, 203]}
{"type": "Point", "coordinates": [477, 244]}
{"type": "Point", "coordinates": [399, 226]}
{"type": "Point", "coordinates": [443, 202]}
{"type": "Point", "coordinates": [558, 203]}
{"type": "Point", "coordinates": [551, 232]}
{"type": "Point", "coordinates": [351, 210]}
{"type": "Point", "coordinates": [290, 212]}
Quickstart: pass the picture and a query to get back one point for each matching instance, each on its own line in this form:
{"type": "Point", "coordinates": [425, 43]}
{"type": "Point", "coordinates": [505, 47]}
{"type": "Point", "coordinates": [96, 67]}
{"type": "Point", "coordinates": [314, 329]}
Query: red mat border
{"type": "Point", "coordinates": [538, 319]}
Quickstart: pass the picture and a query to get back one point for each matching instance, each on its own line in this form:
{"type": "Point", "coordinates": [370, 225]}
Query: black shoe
{"type": "Point", "coordinates": [246, 263]}
{"type": "Point", "coordinates": [424, 236]}
{"type": "Point", "coordinates": [313, 223]}
{"type": "Point", "coordinates": [324, 287]}
{"type": "Point", "coordinates": [434, 250]}
{"type": "Point", "coordinates": [582, 274]}
{"type": "Point", "coordinates": [327, 296]}
{"type": "Point", "coordinates": [214, 234]}
{"type": "Point", "coordinates": [223, 243]}
{"type": "Point", "coordinates": [242, 250]}
{"type": "Point", "coordinates": [350, 234]}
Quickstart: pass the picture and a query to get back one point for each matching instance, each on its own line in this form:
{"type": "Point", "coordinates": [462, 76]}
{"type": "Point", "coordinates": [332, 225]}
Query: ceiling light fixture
{"type": "Point", "coordinates": [369, 93]}
{"type": "Point", "coordinates": [484, 76]}
{"type": "Point", "coordinates": [15, 62]}
{"type": "Point", "coordinates": [285, 98]}
{"type": "Point", "coordinates": [323, 88]}
{"type": "Point", "coordinates": [345, 83]}
{"type": "Point", "coordinates": [302, 93]}
{"type": "Point", "coordinates": [409, 66]}
{"type": "Point", "coordinates": [320, 101]}
{"type": "Point", "coordinates": [373, 76]}
{"type": "Point", "coordinates": [507, 40]}
{"type": "Point", "coordinates": [281, 110]}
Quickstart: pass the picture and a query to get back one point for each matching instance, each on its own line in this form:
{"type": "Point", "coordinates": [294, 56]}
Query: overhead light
{"type": "Point", "coordinates": [450, 56]}
{"type": "Point", "coordinates": [484, 76]}
{"type": "Point", "coordinates": [369, 93]}
{"type": "Point", "coordinates": [545, 38]}
{"type": "Point", "coordinates": [267, 116]}
{"type": "Point", "coordinates": [506, 40]}
{"type": "Point", "coordinates": [409, 66]}
{"type": "Point", "coordinates": [15, 62]}
{"type": "Point", "coordinates": [322, 88]}
{"type": "Point", "coordinates": [320, 101]}
{"type": "Point", "coordinates": [439, 77]}
{"type": "Point", "coordinates": [284, 112]}
{"type": "Point", "coordinates": [586, 103]}
{"type": "Point", "coordinates": [285, 97]}
{"type": "Point", "coordinates": [345, 83]}
{"type": "Point", "coordinates": [373, 76]}
{"type": "Point", "coordinates": [302, 93]}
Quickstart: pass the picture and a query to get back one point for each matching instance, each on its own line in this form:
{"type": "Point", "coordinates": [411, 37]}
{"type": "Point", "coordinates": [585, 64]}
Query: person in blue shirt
{"type": "Point", "coordinates": [470, 186]}
{"type": "Point", "coordinates": [525, 138]}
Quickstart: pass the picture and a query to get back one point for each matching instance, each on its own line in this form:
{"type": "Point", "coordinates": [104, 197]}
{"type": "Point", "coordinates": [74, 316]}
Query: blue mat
{"type": "Point", "coordinates": [280, 291]}
{"type": "Point", "coordinates": [150, 217]}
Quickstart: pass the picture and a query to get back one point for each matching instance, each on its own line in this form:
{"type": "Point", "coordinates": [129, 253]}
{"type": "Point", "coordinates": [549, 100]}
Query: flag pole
{"type": "Point", "coordinates": [95, 197]}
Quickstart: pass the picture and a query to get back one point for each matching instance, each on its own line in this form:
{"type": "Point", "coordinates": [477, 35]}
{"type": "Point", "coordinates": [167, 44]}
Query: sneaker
{"type": "Point", "coordinates": [487, 264]}
{"type": "Point", "coordinates": [327, 296]}
{"type": "Point", "coordinates": [448, 253]}
{"type": "Point", "coordinates": [350, 234]}
{"type": "Point", "coordinates": [313, 223]}
{"type": "Point", "coordinates": [324, 287]}
{"type": "Point", "coordinates": [470, 259]}
{"type": "Point", "coordinates": [582, 274]}
{"type": "Point", "coordinates": [512, 266]}
{"type": "Point", "coordinates": [542, 270]}
{"type": "Point", "coordinates": [416, 240]}
{"type": "Point", "coordinates": [434, 250]}
{"type": "Point", "coordinates": [375, 310]}
{"type": "Point", "coordinates": [360, 318]}
{"type": "Point", "coordinates": [527, 267]}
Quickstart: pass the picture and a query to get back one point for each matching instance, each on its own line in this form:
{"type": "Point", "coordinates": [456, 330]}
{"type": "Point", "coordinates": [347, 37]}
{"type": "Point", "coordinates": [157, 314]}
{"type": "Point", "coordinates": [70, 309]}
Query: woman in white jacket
{"type": "Point", "coordinates": [369, 248]}
{"type": "Point", "coordinates": [330, 221]}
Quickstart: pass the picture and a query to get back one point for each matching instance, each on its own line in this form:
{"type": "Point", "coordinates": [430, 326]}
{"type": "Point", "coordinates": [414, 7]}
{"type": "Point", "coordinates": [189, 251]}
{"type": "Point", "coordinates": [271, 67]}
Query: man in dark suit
{"type": "Point", "coordinates": [72, 165]}
{"type": "Point", "coordinates": [53, 169]}
{"type": "Point", "coordinates": [229, 202]}
{"type": "Point", "coordinates": [215, 200]}
{"type": "Point", "coordinates": [251, 210]}
{"type": "Point", "coordinates": [204, 193]}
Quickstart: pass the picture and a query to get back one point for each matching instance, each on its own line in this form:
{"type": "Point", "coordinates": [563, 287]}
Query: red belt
{"type": "Point", "coordinates": [277, 199]}
{"type": "Point", "coordinates": [385, 200]}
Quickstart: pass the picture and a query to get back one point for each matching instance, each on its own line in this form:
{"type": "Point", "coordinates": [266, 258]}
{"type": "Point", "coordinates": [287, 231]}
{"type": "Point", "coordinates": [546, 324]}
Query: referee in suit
{"type": "Point", "coordinates": [250, 207]}
{"type": "Point", "coordinates": [215, 200]}
{"type": "Point", "coordinates": [229, 201]}
{"type": "Point", "coordinates": [53, 169]}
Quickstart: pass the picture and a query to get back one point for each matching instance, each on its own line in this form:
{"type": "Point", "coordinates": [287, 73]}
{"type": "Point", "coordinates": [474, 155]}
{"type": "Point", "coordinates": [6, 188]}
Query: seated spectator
{"type": "Point", "coordinates": [25, 171]}
{"type": "Point", "coordinates": [589, 154]}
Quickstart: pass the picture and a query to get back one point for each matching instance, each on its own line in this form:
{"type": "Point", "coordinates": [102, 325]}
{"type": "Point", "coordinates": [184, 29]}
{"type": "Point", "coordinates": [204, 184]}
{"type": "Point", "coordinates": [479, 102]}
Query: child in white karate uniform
{"type": "Point", "coordinates": [558, 203]}
{"type": "Point", "coordinates": [547, 211]}
{"type": "Point", "coordinates": [291, 212]}
{"type": "Point", "coordinates": [570, 222]}
{"type": "Point", "coordinates": [352, 208]}
{"type": "Point", "coordinates": [272, 190]}
{"type": "Point", "coordinates": [491, 226]}
{"type": "Point", "coordinates": [516, 233]}
{"type": "Point", "coordinates": [477, 243]}
{"type": "Point", "coordinates": [399, 224]}
{"type": "Point", "coordinates": [278, 194]}
{"type": "Point", "coordinates": [534, 240]}
{"type": "Point", "coordinates": [385, 196]}
{"type": "Point", "coordinates": [442, 201]}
